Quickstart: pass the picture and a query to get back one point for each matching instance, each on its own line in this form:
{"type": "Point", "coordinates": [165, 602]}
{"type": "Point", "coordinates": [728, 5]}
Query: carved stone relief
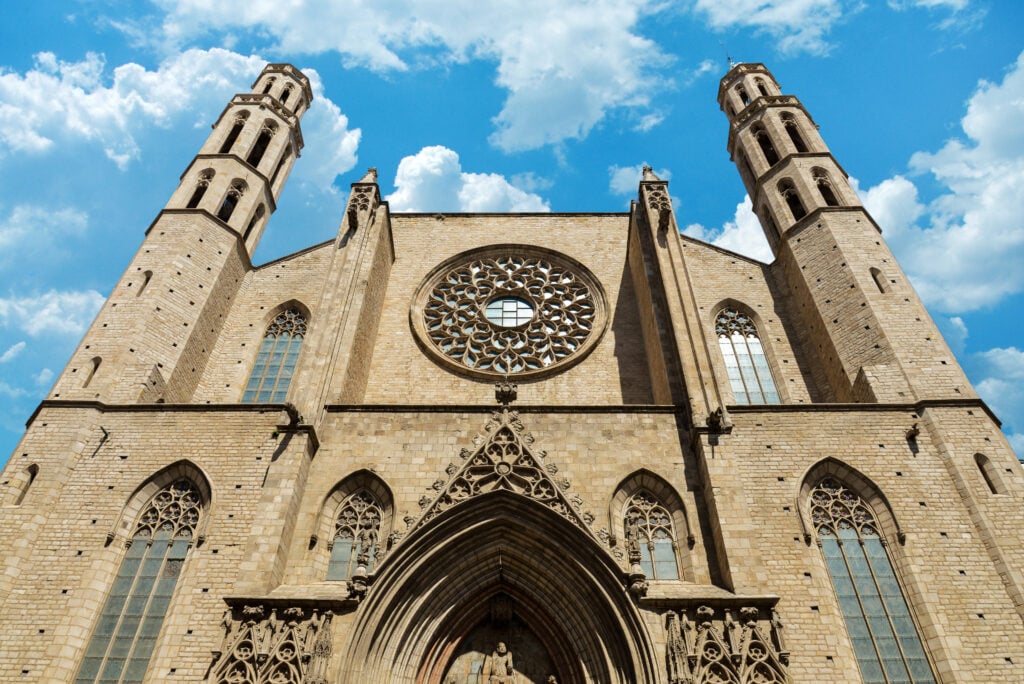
{"type": "Point", "coordinates": [504, 460]}
{"type": "Point", "coordinates": [718, 649]}
{"type": "Point", "coordinates": [509, 310]}
{"type": "Point", "coordinates": [270, 646]}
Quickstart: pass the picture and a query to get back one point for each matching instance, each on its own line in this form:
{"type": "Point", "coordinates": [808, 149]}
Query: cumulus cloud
{"type": "Point", "coordinates": [43, 377]}
{"type": "Point", "coordinates": [742, 235]}
{"type": "Point", "coordinates": [798, 25]}
{"type": "Point", "coordinates": [433, 180]}
{"type": "Point", "coordinates": [54, 312]}
{"type": "Point", "coordinates": [29, 226]}
{"type": "Point", "coordinates": [1003, 389]}
{"type": "Point", "coordinates": [952, 245]}
{"type": "Point", "coordinates": [12, 352]}
{"type": "Point", "coordinates": [564, 64]}
{"type": "Point", "coordinates": [58, 100]}
{"type": "Point", "coordinates": [624, 180]}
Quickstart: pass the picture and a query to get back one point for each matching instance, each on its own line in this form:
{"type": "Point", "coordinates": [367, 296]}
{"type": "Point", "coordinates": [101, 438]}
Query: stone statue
{"type": "Point", "coordinates": [498, 668]}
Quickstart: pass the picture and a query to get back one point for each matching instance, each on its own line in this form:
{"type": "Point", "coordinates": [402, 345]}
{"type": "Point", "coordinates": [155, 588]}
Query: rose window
{"type": "Point", "coordinates": [509, 310]}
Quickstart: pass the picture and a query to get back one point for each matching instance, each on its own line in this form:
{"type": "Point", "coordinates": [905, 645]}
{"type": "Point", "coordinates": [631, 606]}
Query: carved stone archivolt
{"type": "Point", "coordinates": [503, 459]}
{"type": "Point", "coordinates": [509, 310]}
{"type": "Point", "coordinates": [264, 645]}
{"type": "Point", "coordinates": [742, 645]}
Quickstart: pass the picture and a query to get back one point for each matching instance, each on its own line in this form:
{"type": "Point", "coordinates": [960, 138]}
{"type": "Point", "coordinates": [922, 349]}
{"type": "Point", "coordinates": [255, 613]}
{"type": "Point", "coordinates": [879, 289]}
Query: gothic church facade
{"type": "Point", "coordinates": [495, 448]}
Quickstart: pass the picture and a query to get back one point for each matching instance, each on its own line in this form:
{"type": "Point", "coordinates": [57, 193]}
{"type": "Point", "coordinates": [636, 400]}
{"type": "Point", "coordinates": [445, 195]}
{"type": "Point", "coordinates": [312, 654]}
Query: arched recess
{"type": "Point", "coordinates": [323, 532]}
{"type": "Point", "coordinates": [124, 525]}
{"type": "Point", "coordinates": [18, 485]}
{"type": "Point", "coordinates": [773, 382]}
{"type": "Point", "coordinates": [437, 586]}
{"type": "Point", "coordinates": [644, 480]}
{"type": "Point", "coordinates": [856, 482]}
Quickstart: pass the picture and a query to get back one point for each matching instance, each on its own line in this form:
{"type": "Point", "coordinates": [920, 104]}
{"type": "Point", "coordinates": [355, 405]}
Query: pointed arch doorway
{"type": "Point", "coordinates": [498, 568]}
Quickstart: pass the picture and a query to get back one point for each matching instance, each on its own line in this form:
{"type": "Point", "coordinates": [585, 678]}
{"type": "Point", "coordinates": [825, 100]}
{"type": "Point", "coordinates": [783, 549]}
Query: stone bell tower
{"type": "Point", "coordinates": [864, 322]}
{"type": "Point", "coordinates": [152, 339]}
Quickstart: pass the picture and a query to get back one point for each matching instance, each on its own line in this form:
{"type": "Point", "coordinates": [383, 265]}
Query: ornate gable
{"type": "Point", "coordinates": [502, 458]}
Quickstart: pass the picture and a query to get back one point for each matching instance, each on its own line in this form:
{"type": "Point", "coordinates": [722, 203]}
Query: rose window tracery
{"type": "Point", "coordinates": [509, 311]}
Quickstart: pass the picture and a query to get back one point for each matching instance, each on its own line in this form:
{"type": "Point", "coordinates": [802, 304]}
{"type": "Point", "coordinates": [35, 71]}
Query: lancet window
{"type": "Point", "coordinates": [648, 525]}
{"type": "Point", "coordinates": [824, 184]}
{"type": "Point", "coordinates": [356, 536]}
{"type": "Point", "coordinates": [276, 359]}
{"type": "Point", "coordinates": [236, 129]}
{"type": "Point", "coordinates": [884, 636]}
{"type": "Point", "coordinates": [745, 360]}
{"type": "Point", "coordinates": [794, 132]}
{"type": "Point", "coordinates": [201, 185]}
{"type": "Point", "coordinates": [764, 140]}
{"type": "Point", "coordinates": [761, 88]}
{"type": "Point", "coordinates": [123, 641]}
{"type": "Point", "coordinates": [259, 148]}
{"type": "Point", "coordinates": [792, 197]}
{"type": "Point", "coordinates": [234, 194]}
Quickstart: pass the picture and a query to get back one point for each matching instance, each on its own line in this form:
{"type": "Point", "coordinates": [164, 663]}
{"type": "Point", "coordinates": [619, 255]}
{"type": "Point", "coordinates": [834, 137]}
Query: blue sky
{"type": "Point", "coordinates": [533, 105]}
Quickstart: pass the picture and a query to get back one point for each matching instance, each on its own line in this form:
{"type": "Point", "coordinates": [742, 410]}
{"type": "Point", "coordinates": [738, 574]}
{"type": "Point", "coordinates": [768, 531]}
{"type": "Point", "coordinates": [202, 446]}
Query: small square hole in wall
{"type": "Point", "coordinates": [899, 474]}
{"type": "Point", "coordinates": [828, 659]}
{"type": "Point", "coordinates": [781, 479]}
{"type": "Point", "coordinates": [238, 486]}
{"type": "Point", "coordinates": [981, 616]}
{"type": "Point", "coordinates": [963, 573]}
{"type": "Point", "coordinates": [785, 508]}
{"type": "Point", "coordinates": [63, 591]}
{"type": "Point", "coordinates": [807, 575]}
{"type": "Point", "coordinates": [1009, 660]}
{"type": "Point", "coordinates": [922, 504]}
{"type": "Point", "coordinates": [189, 631]}
{"type": "Point", "coordinates": [943, 535]}
{"type": "Point", "coordinates": [206, 590]}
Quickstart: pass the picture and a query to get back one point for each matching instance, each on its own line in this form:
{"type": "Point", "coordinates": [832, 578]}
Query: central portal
{"type": "Point", "coordinates": [501, 649]}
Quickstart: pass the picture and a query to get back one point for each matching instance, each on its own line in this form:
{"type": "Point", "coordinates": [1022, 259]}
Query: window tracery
{"type": "Point", "coordinates": [512, 312]}
{"type": "Point", "coordinates": [276, 359]}
{"type": "Point", "coordinates": [259, 148]}
{"type": "Point", "coordinates": [125, 636]}
{"type": "Point", "coordinates": [356, 536]}
{"type": "Point", "coordinates": [234, 194]}
{"type": "Point", "coordinates": [877, 617]}
{"type": "Point", "coordinates": [767, 148]}
{"type": "Point", "coordinates": [236, 129]}
{"type": "Point", "coordinates": [745, 360]}
{"type": "Point", "coordinates": [824, 184]}
{"type": "Point", "coordinates": [648, 526]}
{"type": "Point", "coordinates": [202, 183]}
{"type": "Point", "coordinates": [792, 197]}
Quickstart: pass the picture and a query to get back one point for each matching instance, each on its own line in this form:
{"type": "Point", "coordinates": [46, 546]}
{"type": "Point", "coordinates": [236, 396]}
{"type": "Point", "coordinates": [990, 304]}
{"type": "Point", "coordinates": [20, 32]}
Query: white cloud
{"type": "Point", "coordinates": [624, 180]}
{"type": "Point", "coordinates": [564, 64]}
{"type": "Point", "coordinates": [12, 352]}
{"type": "Point", "coordinates": [43, 377]}
{"type": "Point", "coordinates": [798, 25]}
{"type": "Point", "coordinates": [955, 331]}
{"type": "Point", "coordinates": [60, 313]}
{"type": "Point", "coordinates": [742, 235]}
{"type": "Point", "coordinates": [706, 67]}
{"type": "Point", "coordinates": [1003, 389]}
{"type": "Point", "coordinates": [34, 224]}
{"type": "Point", "coordinates": [10, 391]}
{"type": "Point", "coordinates": [433, 180]}
{"type": "Point", "coordinates": [57, 100]}
{"type": "Point", "coordinates": [972, 231]}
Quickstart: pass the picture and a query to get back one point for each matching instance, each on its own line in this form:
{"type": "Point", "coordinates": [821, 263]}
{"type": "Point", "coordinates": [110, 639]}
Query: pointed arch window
{"type": "Point", "coordinates": [227, 207]}
{"type": "Point", "coordinates": [824, 184]}
{"type": "Point", "coordinates": [123, 641]}
{"type": "Point", "coordinates": [792, 197]}
{"type": "Point", "coordinates": [742, 92]}
{"type": "Point", "coordinates": [648, 527]}
{"type": "Point", "coordinates": [268, 86]}
{"type": "Point", "coordinates": [764, 140]}
{"type": "Point", "coordinates": [884, 636]}
{"type": "Point", "coordinates": [259, 148]}
{"type": "Point", "coordinates": [276, 359]}
{"type": "Point", "coordinates": [794, 132]}
{"type": "Point", "coordinates": [745, 360]}
{"type": "Point", "coordinates": [356, 536]}
{"type": "Point", "coordinates": [761, 87]}
{"type": "Point", "coordinates": [236, 129]}
{"type": "Point", "coordinates": [201, 185]}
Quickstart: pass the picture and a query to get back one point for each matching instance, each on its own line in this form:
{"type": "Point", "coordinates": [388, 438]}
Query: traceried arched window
{"type": "Point", "coordinates": [259, 148]}
{"type": "Point", "coordinates": [123, 641]}
{"type": "Point", "coordinates": [201, 185]}
{"type": "Point", "coordinates": [356, 536]}
{"type": "Point", "coordinates": [236, 129]}
{"type": "Point", "coordinates": [824, 183]}
{"type": "Point", "coordinates": [761, 87]}
{"type": "Point", "coordinates": [745, 361]}
{"type": "Point", "coordinates": [885, 639]}
{"type": "Point", "coordinates": [234, 194]}
{"type": "Point", "coordinates": [764, 140]}
{"type": "Point", "coordinates": [792, 197]}
{"type": "Point", "coordinates": [648, 525]}
{"type": "Point", "coordinates": [276, 359]}
{"type": "Point", "coordinates": [794, 132]}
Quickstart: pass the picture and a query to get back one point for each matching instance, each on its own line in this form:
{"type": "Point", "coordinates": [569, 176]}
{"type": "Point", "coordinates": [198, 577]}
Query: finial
{"type": "Point", "coordinates": [370, 176]}
{"type": "Point", "coordinates": [649, 174]}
